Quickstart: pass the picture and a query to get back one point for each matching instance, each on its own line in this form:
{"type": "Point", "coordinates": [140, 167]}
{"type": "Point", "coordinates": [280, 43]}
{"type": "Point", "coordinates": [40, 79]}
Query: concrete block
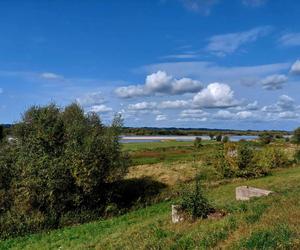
{"type": "Point", "coordinates": [244, 193]}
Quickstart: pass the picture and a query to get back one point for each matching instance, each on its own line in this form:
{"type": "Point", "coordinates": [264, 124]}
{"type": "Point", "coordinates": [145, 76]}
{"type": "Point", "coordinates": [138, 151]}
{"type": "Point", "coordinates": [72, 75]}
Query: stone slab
{"type": "Point", "coordinates": [244, 193]}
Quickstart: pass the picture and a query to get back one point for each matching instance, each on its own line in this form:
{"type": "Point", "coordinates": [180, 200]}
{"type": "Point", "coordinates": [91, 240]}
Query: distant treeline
{"type": "Point", "coordinates": [196, 131]}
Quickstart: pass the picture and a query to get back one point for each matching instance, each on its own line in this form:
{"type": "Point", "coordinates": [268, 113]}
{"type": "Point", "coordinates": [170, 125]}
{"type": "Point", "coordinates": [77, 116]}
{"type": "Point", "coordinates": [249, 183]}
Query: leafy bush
{"type": "Point", "coordinates": [271, 157]}
{"type": "Point", "coordinates": [63, 161]}
{"type": "Point", "coordinates": [265, 138]}
{"type": "Point", "coordinates": [225, 139]}
{"type": "Point", "coordinates": [194, 203]}
{"type": "Point", "coordinates": [297, 156]}
{"type": "Point", "coordinates": [219, 137]}
{"type": "Point", "coordinates": [296, 136]}
{"type": "Point", "coordinates": [198, 143]}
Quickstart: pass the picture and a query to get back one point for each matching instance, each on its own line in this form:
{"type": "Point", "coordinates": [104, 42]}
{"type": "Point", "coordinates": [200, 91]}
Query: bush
{"type": "Point", "coordinates": [297, 156]}
{"type": "Point", "coordinates": [63, 161]}
{"type": "Point", "coordinates": [219, 137]}
{"type": "Point", "coordinates": [265, 138]}
{"type": "Point", "coordinates": [194, 203]}
{"type": "Point", "coordinates": [296, 136]}
{"type": "Point", "coordinates": [225, 139]}
{"type": "Point", "coordinates": [273, 158]}
{"type": "Point", "coordinates": [1, 133]}
{"type": "Point", "coordinates": [198, 143]}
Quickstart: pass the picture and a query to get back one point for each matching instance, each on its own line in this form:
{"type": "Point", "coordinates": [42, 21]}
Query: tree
{"type": "Point", "coordinates": [198, 143]}
{"type": "Point", "coordinates": [1, 133]}
{"type": "Point", "coordinates": [296, 136]}
{"type": "Point", "coordinates": [219, 137]}
{"type": "Point", "coordinates": [225, 139]}
{"type": "Point", "coordinates": [67, 160]}
{"type": "Point", "coordinates": [211, 135]}
{"type": "Point", "coordinates": [266, 138]}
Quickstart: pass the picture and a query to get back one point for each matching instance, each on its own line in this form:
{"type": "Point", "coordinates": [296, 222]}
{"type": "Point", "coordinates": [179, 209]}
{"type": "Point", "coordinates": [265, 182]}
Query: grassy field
{"type": "Point", "coordinates": [165, 151]}
{"type": "Point", "coordinates": [263, 223]}
{"type": "Point", "coordinates": [266, 223]}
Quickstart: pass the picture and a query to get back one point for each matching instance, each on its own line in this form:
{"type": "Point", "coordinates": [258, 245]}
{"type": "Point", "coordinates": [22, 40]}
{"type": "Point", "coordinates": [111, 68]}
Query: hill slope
{"type": "Point", "coordinates": [264, 223]}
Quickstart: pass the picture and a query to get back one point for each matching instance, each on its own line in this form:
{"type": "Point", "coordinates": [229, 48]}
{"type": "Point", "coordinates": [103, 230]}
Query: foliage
{"type": "Point", "coordinates": [219, 137]}
{"type": "Point", "coordinates": [1, 133]}
{"type": "Point", "coordinates": [198, 143]}
{"type": "Point", "coordinates": [194, 202]}
{"type": "Point", "coordinates": [296, 136]}
{"type": "Point", "coordinates": [297, 156]}
{"type": "Point", "coordinates": [271, 157]}
{"type": "Point", "coordinates": [266, 138]}
{"type": "Point", "coordinates": [63, 161]}
{"type": "Point", "coordinates": [225, 139]}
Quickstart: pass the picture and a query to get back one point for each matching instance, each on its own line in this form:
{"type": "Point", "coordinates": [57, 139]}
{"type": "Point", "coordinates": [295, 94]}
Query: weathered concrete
{"type": "Point", "coordinates": [177, 215]}
{"type": "Point", "coordinates": [244, 193]}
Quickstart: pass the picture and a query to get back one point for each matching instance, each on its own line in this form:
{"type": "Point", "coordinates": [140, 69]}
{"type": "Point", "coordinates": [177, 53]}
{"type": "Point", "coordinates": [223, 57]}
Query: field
{"type": "Point", "coordinates": [264, 223]}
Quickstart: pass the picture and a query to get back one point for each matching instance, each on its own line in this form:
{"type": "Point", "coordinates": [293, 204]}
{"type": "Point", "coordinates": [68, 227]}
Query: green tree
{"type": "Point", "coordinates": [296, 136]}
{"type": "Point", "coordinates": [1, 133]}
{"type": "Point", "coordinates": [219, 137]}
{"type": "Point", "coordinates": [67, 160]}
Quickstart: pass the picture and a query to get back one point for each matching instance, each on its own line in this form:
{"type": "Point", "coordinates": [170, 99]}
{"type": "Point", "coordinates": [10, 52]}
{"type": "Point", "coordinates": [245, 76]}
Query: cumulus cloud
{"type": "Point", "coordinates": [193, 113]}
{"type": "Point", "coordinates": [160, 83]}
{"type": "Point", "coordinates": [295, 69]}
{"type": "Point", "coordinates": [99, 109]}
{"type": "Point", "coordinates": [89, 99]}
{"type": "Point", "coordinates": [284, 103]}
{"type": "Point", "coordinates": [215, 95]}
{"type": "Point", "coordinates": [274, 82]}
{"type": "Point", "coordinates": [161, 118]}
{"type": "Point", "coordinates": [51, 76]}
{"type": "Point", "coordinates": [290, 39]}
{"type": "Point", "coordinates": [228, 43]}
{"type": "Point", "coordinates": [288, 115]}
{"type": "Point", "coordinates": [254, 3]}
{"type": "Point", "coordinates": [142, 106]}
{"type": "Point", "coordinates": [177, 104]}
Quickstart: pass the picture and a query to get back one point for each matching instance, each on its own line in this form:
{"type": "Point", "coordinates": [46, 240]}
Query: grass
{"type": "Point", "coordinates": [271, 222]}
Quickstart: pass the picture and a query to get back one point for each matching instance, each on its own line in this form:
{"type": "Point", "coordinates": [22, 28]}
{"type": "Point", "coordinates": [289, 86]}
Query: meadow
{"type": "Point", "coordinates": [271, 222]}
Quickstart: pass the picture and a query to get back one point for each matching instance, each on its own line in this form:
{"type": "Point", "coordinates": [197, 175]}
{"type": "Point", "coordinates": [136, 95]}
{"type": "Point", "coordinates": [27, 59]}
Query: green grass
{"type": "Point", "coordinates": [271, 222]}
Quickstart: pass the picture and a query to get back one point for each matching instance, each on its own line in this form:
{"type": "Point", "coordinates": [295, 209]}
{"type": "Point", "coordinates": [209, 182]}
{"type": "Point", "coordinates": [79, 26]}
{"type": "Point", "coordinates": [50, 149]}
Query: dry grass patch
{"type": "Point", "coordinates": [169, 174]}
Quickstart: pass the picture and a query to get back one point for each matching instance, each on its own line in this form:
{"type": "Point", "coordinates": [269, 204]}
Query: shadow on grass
{"type": "Point", "coordinates": [136, 192]}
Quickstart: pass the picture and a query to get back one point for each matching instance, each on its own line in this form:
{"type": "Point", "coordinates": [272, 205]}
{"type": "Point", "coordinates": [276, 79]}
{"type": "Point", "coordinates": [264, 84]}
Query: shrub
{"type": "Point", "coordinates": [296, 136]}
{"type": "Point", "coordinates": [297, 156]}
{"type": "Point", "coordinates": [271, 157]}
{"type": "Point", "coordinates": [219, 137]}
{"type": "Point", "coordinates": [225, 139]}
{"type": "Point", "coordinates": [198, 143]}
{"type": "Point", "coordinates": [194, 203]}
{"type": "Point", "coordinates": [64, 161]}
{"type": "Point", "coordinates": [1, 133]}
{"type": "Point", "coordinates": [265, 138]}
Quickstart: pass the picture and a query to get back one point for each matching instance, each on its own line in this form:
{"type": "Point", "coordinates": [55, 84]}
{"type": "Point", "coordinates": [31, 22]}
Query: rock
{"type": "Point", "coordinates": [244, 193]}
{"type": "Point", "coordinates": [177, 215]}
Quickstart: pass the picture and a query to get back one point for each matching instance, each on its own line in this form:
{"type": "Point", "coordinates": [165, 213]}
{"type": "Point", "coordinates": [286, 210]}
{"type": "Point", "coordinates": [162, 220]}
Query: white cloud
{"type": "Point", "coordinates": [228, 43]}
{"type": "Point", "coordinates": [161, 118]}
{"type": "Point", "coordinates": [95, 98]}
{"type": "Point", "coordinates": [284, 103]}
{"type": "Point", "coordinates": [224, 115]}
{"type": "Point", "coordinates": [130, 91]}
{"type": "Point", "coordinates": [254, 3]}
{"type": "Point", "coordinates": [193, 113]}
{"type": "Point", "coordinates": [142, 106]}
{"type": "Point", "coordinates": [274, 82]}
{"type": "Point", "coordinates": [290, 39]}
{"type": "Point", "coordinates": [99, 109]}
{"type": "Point", "coordinates": [244, 114]}
{"type": "Point", "coordinates": [288, 115]}
{"type": "Point", "coordinates": [175, 104]}
{"type": "Point", "coordinates": [295, 69]}
{"type": "Point", "coordinates": [209, 72]}
{"type": "Point", "coordinates": [160, 83]}
{"type": "Point", "coordinates": [201, 6]}
{"type": "Point", "coordinates": [215, 95]}
{"type": "Point", "coordinates": [51, 76]}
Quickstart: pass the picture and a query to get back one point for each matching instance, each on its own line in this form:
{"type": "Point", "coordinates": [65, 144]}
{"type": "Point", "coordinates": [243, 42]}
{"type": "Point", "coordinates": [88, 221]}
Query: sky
{"type": "Point", "coordinates": [161, 63]}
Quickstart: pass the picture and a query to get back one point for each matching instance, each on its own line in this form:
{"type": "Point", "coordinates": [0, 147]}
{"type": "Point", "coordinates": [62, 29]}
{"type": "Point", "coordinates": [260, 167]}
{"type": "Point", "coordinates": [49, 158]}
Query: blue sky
{"type": "Point", "coordinates": [180, 63]}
